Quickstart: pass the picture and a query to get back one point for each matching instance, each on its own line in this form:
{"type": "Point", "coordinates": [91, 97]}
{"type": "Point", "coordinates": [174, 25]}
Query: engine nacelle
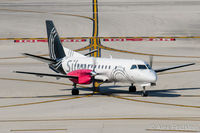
{"type": "Point", "coordinates": [84, 76]}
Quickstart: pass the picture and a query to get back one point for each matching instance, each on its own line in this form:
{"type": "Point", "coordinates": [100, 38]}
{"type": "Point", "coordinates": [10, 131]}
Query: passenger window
{"type": "Point", "coordinates": [133, 67]}
{"type": "Point", "coordinates": [106, 67]}
{"type": "Point", "coordinates": [109, 67]}
{"type": "Point", "coordinates": [142, 67]}
{"type": "Point", "coordinates": [102, 66]}
{"type": "Point", "coordinates": [99, 66]}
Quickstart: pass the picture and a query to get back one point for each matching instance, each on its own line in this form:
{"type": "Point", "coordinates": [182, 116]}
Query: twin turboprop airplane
{"type": "Point", "coordinates": [81, 69]}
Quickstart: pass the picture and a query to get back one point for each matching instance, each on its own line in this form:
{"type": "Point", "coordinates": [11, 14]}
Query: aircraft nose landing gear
{"type": "Point", "coordinates": [144, 93]}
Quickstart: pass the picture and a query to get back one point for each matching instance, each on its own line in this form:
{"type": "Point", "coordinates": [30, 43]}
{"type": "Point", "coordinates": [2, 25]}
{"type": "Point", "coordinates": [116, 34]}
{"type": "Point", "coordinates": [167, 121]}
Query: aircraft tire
{"type": "Point", "coordinates": [132, 89]}
{"type": "Point", "coordinates": [75, 92]}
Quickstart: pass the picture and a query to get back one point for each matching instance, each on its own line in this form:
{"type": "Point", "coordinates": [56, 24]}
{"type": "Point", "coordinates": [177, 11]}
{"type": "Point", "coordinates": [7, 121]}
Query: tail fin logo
{"type": "Point", "coordinates": [52, 37]}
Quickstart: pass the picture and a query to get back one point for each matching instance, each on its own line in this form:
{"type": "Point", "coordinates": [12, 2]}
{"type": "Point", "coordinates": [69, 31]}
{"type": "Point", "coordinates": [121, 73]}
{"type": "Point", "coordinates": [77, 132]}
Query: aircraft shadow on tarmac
{"type": "Point", "coordinates": [107, 90]}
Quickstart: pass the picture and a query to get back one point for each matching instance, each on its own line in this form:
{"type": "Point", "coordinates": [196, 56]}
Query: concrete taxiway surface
{"type": "Point", "coordinates": [33, 104]}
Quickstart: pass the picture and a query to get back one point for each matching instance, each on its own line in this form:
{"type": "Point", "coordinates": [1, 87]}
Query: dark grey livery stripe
{"type": "Point", "coordinates": [56, 50]}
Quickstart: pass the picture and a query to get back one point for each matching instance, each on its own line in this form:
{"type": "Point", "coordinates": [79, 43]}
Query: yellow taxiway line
{"type": "Point", "coordinates": [138, 53]}
{"type": "Point", "coordinates": [55, 13]}
{"type": "Point", "coordinates": [47, 101]}
{"type": "Point", "coordinates": [143, 101]}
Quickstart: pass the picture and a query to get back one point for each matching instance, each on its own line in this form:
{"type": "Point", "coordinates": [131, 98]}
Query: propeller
{"type": "Point", "coordinates": [151, 61]}
{"type": "Point", "coordinates": [93, 73]}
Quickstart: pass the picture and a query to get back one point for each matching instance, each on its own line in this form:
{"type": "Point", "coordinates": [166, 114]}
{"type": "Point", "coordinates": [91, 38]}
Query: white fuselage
{"type": "Point", "coordinates": [113, 70]}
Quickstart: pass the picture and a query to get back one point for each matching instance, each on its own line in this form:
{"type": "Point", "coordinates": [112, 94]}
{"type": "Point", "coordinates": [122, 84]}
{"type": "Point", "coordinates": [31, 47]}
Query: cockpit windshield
{"type": "Point", "coordinates": [142, 67]}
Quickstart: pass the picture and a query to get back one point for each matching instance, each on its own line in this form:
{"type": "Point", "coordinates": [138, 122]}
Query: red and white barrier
{"type": "Point", "coordinates": [138, 39]}
{"type": "Point", "coordinates": [44, 40]}
{"type": "Point", "coordinates": [105, 40]}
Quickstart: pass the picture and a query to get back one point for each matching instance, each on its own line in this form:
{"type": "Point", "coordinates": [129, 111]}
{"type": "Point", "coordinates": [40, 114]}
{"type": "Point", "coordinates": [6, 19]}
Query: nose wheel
{"type": "Point", "coordinates": [132, 88]}
{"type": "Point", "coordinates": [144, 93]}
{"type": "Point", "coordinates": [75, 91]}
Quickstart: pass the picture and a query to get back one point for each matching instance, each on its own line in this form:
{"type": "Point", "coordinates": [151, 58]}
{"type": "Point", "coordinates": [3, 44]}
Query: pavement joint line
{"type": "Point", "coordinates": [105, 119]}
{"type": "Point", "coordinates": [28, 130]}
{"type": "Point", "coordinates": [173, 130]}
{"type": "Point", "coordinates": [144, 101]}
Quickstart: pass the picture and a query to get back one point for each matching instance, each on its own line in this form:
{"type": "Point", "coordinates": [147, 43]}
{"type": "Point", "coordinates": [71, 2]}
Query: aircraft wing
{"type": "Point", "coordinates": [170, 68]}
{"type": "Point", "coordinates": [50, 75]}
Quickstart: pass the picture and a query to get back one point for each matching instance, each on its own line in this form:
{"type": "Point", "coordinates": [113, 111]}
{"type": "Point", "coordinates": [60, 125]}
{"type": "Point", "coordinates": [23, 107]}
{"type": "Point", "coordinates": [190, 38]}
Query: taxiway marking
{"type": "Point", "coordinates": [47, 101]}
{"type": "Point", "coordinates": [55, 13]}
{"type": "Point", "coordinates": [143, 101]}
{"type": "Point", "coordinates": [138, 53]}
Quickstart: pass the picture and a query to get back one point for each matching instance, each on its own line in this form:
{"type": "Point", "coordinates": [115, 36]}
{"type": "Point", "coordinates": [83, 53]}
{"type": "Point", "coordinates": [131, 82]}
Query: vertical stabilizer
{"type": "Point", "coordinates": [56, 50]}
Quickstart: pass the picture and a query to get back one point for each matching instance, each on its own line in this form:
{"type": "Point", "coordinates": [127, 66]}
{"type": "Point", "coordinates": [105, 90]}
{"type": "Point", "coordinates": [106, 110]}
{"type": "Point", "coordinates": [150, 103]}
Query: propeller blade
{"type": "Point", "coordinates": [93, 73]}
{"type": "Point", "coordinates": [94, 64]}
{"type": "Point", "coordinates": [151, 61]}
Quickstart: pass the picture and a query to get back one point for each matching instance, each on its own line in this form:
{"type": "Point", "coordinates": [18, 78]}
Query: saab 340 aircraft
{"type": "Point", "coordinates": [81, 69]}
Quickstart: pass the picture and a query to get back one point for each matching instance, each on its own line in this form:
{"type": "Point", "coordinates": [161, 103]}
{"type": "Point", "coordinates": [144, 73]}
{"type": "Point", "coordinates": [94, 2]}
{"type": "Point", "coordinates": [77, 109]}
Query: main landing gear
{"type": "Point", "coordinates": [75, 91]}
{"type": "Point", "coordinates": [132, 88]}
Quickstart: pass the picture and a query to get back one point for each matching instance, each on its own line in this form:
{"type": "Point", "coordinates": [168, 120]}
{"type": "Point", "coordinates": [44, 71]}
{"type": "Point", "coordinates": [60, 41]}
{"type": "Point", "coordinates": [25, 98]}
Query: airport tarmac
{"type": "Point", "coordinates": [32, 104]}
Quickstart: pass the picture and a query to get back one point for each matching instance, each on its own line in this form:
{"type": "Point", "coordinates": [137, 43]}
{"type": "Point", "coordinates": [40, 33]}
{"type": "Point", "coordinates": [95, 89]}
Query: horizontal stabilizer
{"type": "Point", "coordinates": [45, 74]}
{"type": "Point", "coordinates": [175, 67]}
{"type": "Point", "coordinates": [43, 59]}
